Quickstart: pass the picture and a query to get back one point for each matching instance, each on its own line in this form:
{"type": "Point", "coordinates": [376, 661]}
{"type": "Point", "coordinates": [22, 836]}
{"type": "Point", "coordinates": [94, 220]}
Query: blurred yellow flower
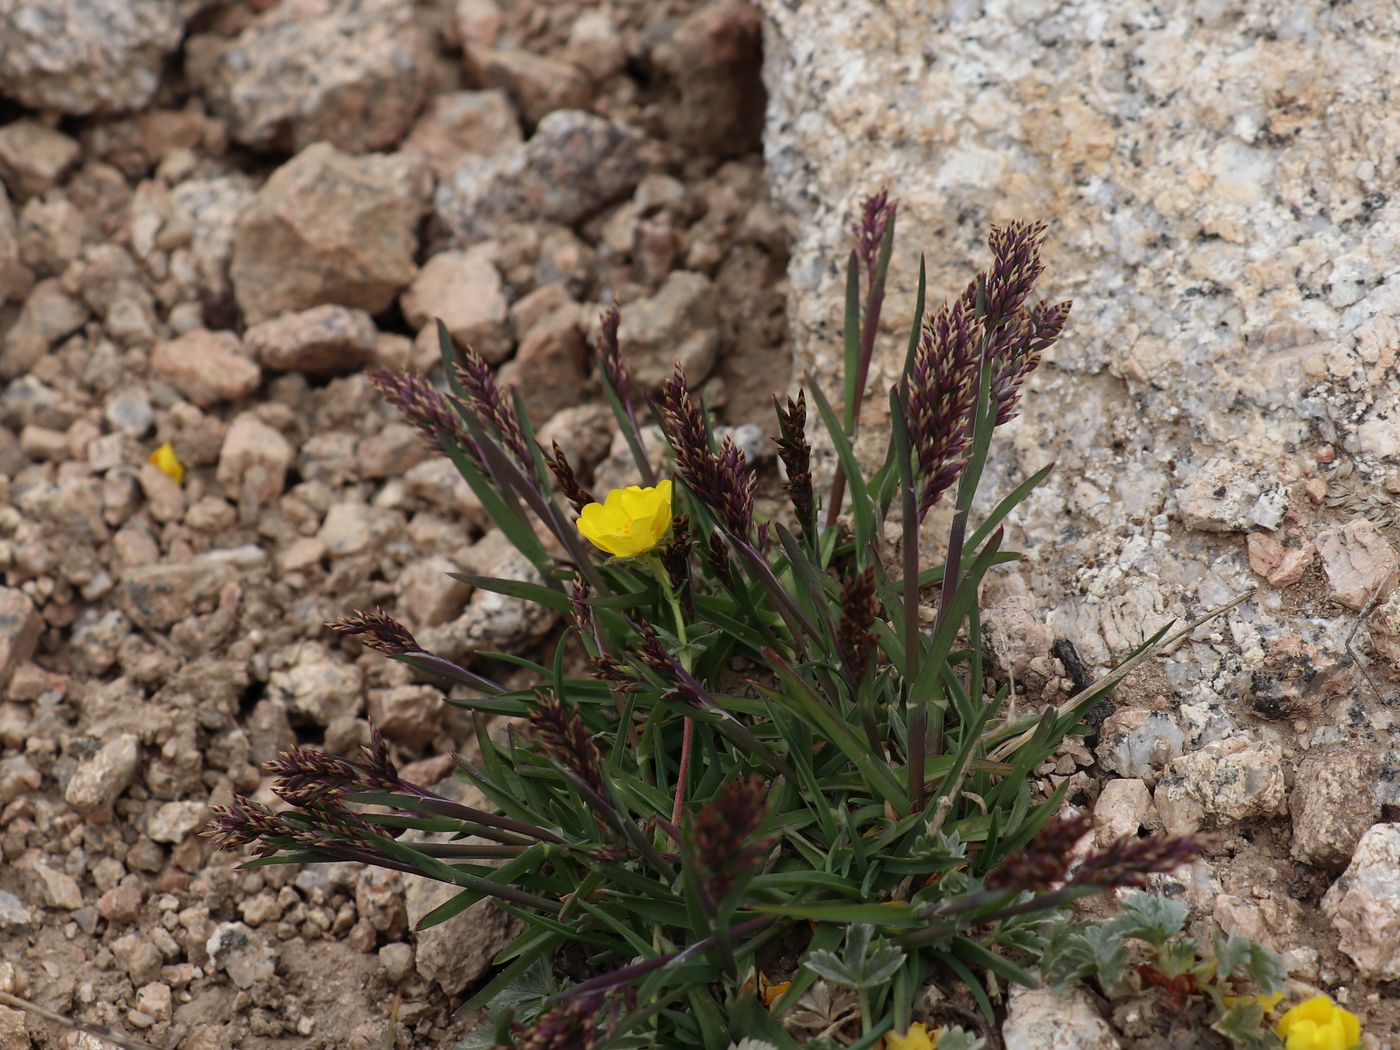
{"type": "Point", "coordinates": [1319, 1024]}
{"type": "Point", "coordinates": [918, 1037]}
{"type": "Point", "coordinates": [629, 521]}
{"type": "Point", "coordinates": [168, 463]}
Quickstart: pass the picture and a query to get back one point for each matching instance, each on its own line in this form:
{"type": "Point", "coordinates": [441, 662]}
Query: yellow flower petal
{"type": "Point", "coordinates": [1319, 1024]}
{"type": "Point", "coordinates": [630, 521]}
{"type": "Point", "coordinates": [918, 1037]}
{"type": "Point", "coordinates": [168, 463]}
{"type": "Point", "coordinates": [769, 992]}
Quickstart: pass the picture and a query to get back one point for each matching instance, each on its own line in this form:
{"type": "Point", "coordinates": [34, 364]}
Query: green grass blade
{"type": "Point", "coordinates": [851, 364]}
{"type": "Point", "coordinates": [862, 506]}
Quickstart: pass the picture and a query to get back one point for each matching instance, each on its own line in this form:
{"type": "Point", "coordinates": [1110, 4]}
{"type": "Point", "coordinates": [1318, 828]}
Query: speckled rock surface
{"type": "Point", "coordinates": [98, 56]}
{"type": "Point", "coordinates": [348, 72]}
{"type": "Point", "coordinates": [1216, 183]}
{"type": "Point", "coordinates": [1048, 1020]}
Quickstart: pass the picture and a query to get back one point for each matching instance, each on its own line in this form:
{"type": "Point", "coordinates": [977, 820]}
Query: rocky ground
{"type": "Point", "coordinates": [216, 218]}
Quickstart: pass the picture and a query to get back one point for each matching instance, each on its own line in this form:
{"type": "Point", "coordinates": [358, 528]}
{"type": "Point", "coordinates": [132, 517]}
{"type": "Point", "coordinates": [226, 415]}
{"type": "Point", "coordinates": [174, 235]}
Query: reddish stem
{"type": "Point", "coordinates": [684, 773]}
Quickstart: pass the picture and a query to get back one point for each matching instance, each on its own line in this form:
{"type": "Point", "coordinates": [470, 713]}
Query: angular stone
{"type": "Point", "coordinates": [537, 84]}
{"type": "Point", "coordinates": [407, 714]}
{"type": "Point", "coordinates": [15, 278]}
{"type": "Point", "coordinates": [1364, 904]}
{"type": "Point", "coordinates": [596, 46]}
{"type": "Point", "coordinates": [429, 595]}
{"type": "Point", "coordinates": [316, 688]}
{"type": "Point", "coordinates": [1056, 1020]}
{"type": "Point", "coordinates": [574, 165]}
{"type": "Point", "coordinates": [1281, 566]}
{"type": "Point", "coordinates": [20, 627]}
{"type": "Point", "coordinates": [1333, 803]}
{"type": "Point", "coordinates": [211, 208]}
{"type": "Point", "coordinates": [328, 227]}
{"type": "Point", "coordinates": [463, 124]}
{"type": "Point", "coordinates": [1228, 781]}
{"type": "Point", "coordinates": [1296, 678]}
{"type": "Point", "coordinates": [158, 596]}
{"type": "Point", "coordinates": [254, 453]}
{"type": "Point", "coordinates": [680, 323]}
{"type": "Point", "coordinates": [1124, 806]}
{"type": "Point", "coordinates": [48, 315]}
{"type": "Point", "coordinates": [443, 953]}
{"type": "Point", "coordinates": [1225, 496]}
{"type": "Point", "coordinates": [1360, 564]}
{"type": "Point", "coordinates": [551, 366]}
{"type": "Point", "coordinates": [173, 822]}
{"type": "Point", "coordinates": [13, 913]}
{"type": "Point", "coordinates": [240, 952]}
{"type": "Point", "coordinates": [54, 888]}
{"type": "Point", "coordinates": [102, 777]}
{"type": "Point", "coordinates": [463, 289]}
{"type": "Point", "coordinates": [98, 56]}
{"type": "Point", "coordinates": [320, 341]}
{"type": "Point", "coordinates": [207, 367]}
{"type": "Point", "coordinates": [34, 156]}
{"type": "Point", "coordinates": [351, 73]}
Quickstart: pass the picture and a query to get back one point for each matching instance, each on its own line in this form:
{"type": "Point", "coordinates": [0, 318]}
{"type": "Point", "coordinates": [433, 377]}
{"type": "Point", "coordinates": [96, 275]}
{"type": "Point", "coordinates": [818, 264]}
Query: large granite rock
{"type": "Point", "coordinates": [348, 72]}
{"type": "Point", "coordinates": [1216, 180]}
{"type": "Point", "coordinates": [93, 56]}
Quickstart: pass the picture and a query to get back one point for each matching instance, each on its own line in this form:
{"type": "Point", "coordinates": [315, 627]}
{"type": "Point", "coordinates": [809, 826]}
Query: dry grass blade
{"type": "Point", "coordinates": [98, 1033]}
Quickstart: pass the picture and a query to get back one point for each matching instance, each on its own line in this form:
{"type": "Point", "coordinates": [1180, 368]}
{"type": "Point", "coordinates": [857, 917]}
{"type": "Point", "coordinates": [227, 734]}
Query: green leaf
{"type": "Point", "coordinates": [888, 915]}
{"type": "Point", "coordinates": [1007, 505]}
{"type": "Point", "coordinates": [956, 1038]}
{"type": "Point", "coordinates": [851, 330]}
{"type": "Point", "coordinates": [1245, 1024]}
{"type": "Point", "coordinates": [832, 967]}
{"type": "Point", "coordinates": [542, 947]}
{"type": "Point", "coordinates": [1151, 917]}
{"type": "Point", "coordinates": [522, 589]}
{"type": "Point", "coordinates": [1081, 950]}
{"type": "Point", "coordinates": [970, 951]}
{"type": "Point", "coordinates": [862, 506]}
{"type": "Point", "coordinates": [800, 699]}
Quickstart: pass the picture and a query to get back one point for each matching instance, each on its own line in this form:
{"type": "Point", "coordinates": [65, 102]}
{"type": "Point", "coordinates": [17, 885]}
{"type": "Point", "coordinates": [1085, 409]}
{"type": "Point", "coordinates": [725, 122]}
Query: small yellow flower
{"type": "Point", "coordinates": [918, 1037]}
{"type": "Point", "coordinates": [629, 521]}
{"type": "Point", "coordinates": [1319, 1024]}
{"type": "Point", "coordinates": [168, 463]}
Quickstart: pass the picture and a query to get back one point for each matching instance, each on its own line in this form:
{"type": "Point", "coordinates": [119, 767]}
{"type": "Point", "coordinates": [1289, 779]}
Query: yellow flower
{"type": "Point", "coordinates": [1319, 1024]}
{"type": "Point", "coordinates": [629, 521]}
{"type": "Point", "coordinates": [918, 1037]}
{"type": "Point", "coordinates": [168, 463]}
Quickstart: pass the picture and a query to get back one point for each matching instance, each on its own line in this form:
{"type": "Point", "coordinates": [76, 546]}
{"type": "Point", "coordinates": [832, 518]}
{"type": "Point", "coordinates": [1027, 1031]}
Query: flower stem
{"type": "Point", "coordinates": [688, 732]}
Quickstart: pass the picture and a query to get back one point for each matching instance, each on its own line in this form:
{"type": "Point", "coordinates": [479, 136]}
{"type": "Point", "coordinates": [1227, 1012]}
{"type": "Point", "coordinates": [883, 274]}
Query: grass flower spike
{"type": "Point", "coordinates": [1319, 1024]}
{"type": "Point", "coordinates": [629, 522]}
